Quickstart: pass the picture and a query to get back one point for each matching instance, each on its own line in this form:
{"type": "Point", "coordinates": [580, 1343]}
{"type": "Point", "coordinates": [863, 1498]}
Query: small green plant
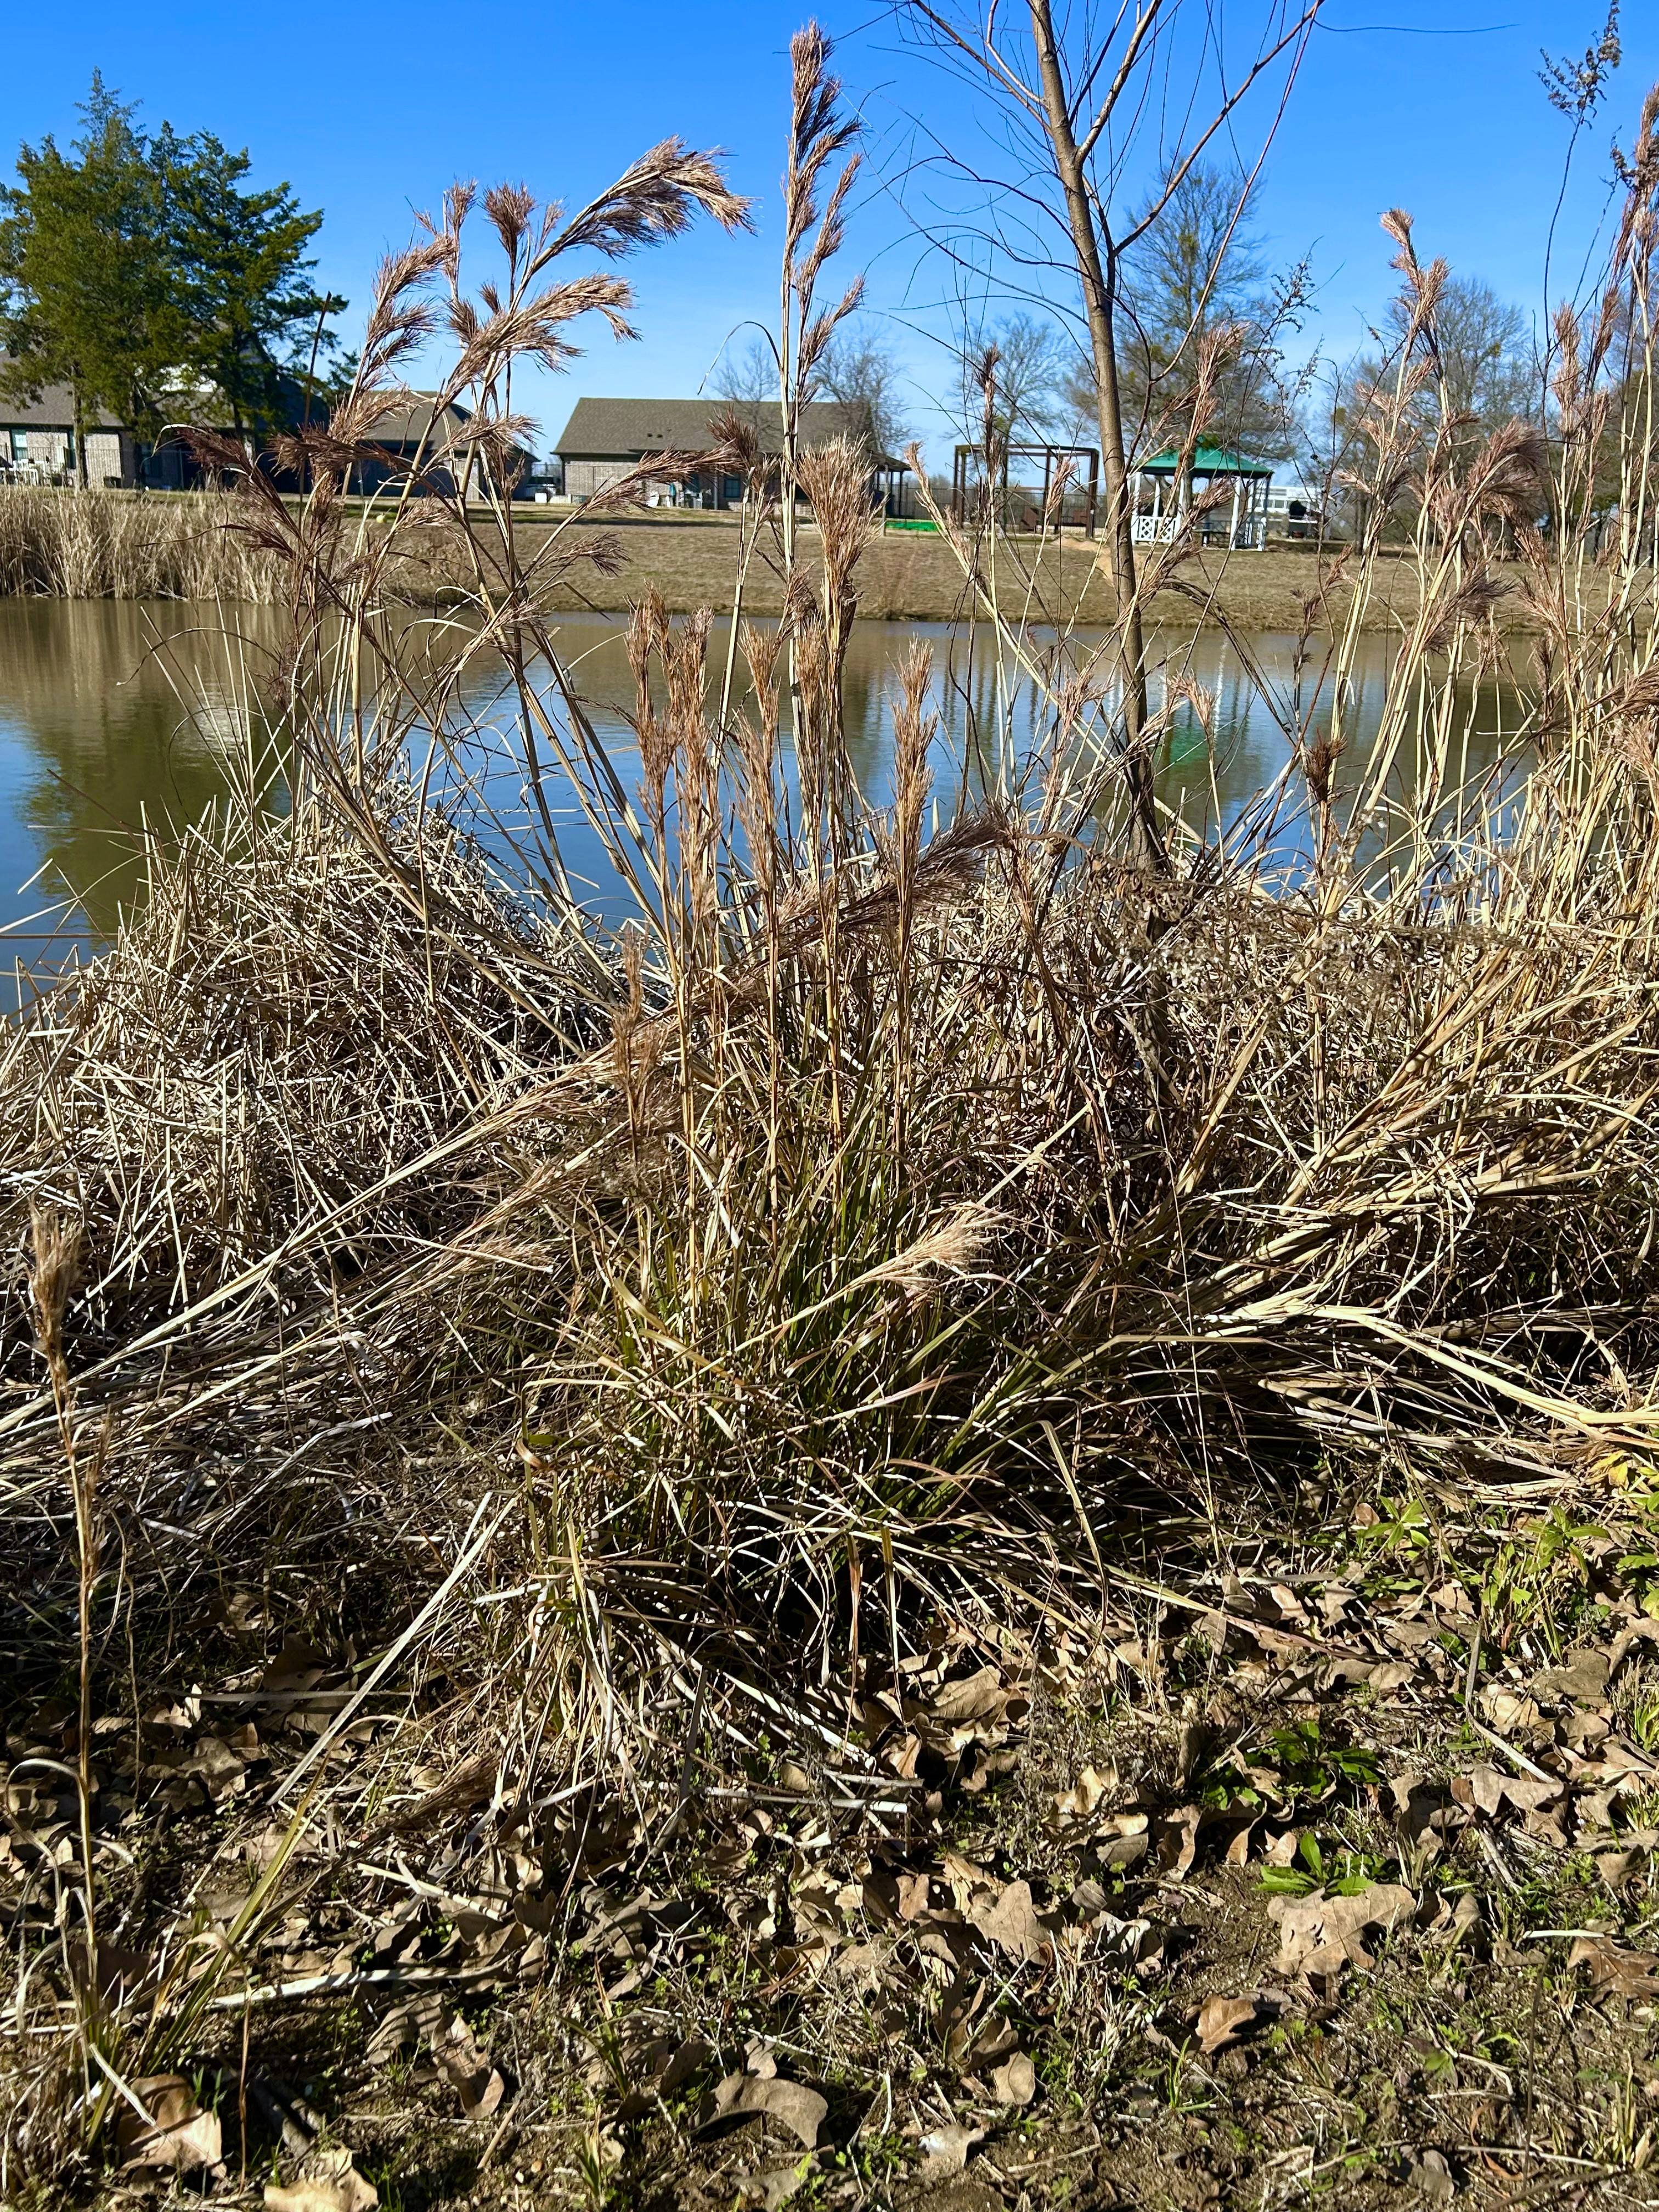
{"type": "Point", "coordinates": [1341, 1872]}
{"type": "Point", "coordinates": [1295, 1769]}
{"type": "Point", "coordinates": [1637, 1705]}
{"type": "Point", "coordinates": [1401, 1524]}
{"type": "Point", "coordinates": [1539, 1579]}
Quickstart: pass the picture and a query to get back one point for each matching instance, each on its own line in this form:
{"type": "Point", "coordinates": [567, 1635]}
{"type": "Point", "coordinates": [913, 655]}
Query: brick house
{"type": "Point", "coordinates": [37, 442]}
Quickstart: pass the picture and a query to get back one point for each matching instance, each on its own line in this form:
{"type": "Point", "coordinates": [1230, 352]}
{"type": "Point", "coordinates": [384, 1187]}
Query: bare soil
{"type": "Point", "coordinates": [1322, 1872]}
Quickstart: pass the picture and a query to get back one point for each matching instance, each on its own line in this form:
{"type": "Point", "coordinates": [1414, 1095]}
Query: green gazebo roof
{"type": "Point", "coordinates": [1207, 461]}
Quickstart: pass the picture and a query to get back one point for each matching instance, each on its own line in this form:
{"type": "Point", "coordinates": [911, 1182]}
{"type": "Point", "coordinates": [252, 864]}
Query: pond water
{"type": "Point", "coordinates": [114, 715]}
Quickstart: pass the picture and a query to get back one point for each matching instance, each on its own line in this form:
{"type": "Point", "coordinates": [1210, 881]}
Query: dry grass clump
{"type": "Point", "coordinates": [909, 1207]}
{"type": "Point", "coordinates": [102, 544]}
{"type": "Point", "coordinates": [233, 1104]}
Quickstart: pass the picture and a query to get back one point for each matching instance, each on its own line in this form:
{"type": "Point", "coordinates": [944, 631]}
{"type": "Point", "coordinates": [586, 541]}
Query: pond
{"type": "Point", "coordinates": [116, 715]}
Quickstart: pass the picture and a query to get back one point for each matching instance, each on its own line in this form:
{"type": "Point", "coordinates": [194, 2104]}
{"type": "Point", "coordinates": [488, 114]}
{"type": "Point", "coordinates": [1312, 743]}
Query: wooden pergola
{"type": "Point", "coordinates": [1061, 468]}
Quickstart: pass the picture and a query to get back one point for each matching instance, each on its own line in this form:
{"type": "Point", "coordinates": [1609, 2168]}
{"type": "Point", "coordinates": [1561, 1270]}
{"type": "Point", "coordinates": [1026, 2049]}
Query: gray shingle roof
{"type": "Point", "coordinates": [409, 424]}
{"type": "Point", "coordinates": [53, 410]}
{"type": "Point", "coordinates": [617, 429]}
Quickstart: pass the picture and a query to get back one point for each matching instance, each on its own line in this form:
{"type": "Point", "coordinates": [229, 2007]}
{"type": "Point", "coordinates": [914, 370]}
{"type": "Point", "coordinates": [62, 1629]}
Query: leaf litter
{"type": "Point", "coordinates": [1031, 1882]}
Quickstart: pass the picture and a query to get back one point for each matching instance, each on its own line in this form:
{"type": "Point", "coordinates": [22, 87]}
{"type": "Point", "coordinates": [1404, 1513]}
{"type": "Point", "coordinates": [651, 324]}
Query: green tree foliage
{"type": "Point", "coordinates": [247, 309]}
{"type": "Point", "coordinates": [83, 270]}
{"type": "Point", "coordinates": [144, 274]}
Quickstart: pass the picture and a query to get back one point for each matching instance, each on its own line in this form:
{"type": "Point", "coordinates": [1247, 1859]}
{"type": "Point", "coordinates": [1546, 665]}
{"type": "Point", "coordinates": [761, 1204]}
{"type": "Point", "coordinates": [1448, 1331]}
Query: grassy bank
{"type": "Point", "coordinates": [119, 545]}
{"type": "Point", "coordinates": [913, 577]}
{"type": "Point", "coordinates": [966, 1513]}
{"type": "Point", "coordinates": [111, 545]}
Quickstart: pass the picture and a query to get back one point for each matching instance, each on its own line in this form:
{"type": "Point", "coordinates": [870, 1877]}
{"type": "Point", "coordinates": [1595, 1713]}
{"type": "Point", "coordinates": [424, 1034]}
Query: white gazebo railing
{"type": "Point", "coordinates": [1167, 484]}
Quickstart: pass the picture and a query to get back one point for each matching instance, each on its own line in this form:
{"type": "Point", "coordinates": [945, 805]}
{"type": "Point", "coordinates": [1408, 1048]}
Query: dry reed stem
{"type": "Point", "coordinates": [962, 1198]}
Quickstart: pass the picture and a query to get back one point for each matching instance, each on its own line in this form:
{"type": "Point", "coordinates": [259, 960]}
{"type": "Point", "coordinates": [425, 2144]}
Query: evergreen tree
{"type": "Point", "coordinates": [83, 277]}
{"type": "Point", "coordinates": [144, 275]}
{"type": "Point", "coordinates": [247, 310]}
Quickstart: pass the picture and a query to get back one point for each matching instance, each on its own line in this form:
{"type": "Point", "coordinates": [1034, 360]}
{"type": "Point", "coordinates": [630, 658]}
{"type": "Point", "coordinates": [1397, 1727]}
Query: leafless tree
{"type": "Point", "coordinates": [747, 373]}
{"type": "Point", "coordinates": [1070, 102]}
{"type": "Point", "coordinates": [1036, 362]}
{"type": "Point", "coordinates": [1198, 270]}
{"type": "Point", "coordinates": [861, 372]}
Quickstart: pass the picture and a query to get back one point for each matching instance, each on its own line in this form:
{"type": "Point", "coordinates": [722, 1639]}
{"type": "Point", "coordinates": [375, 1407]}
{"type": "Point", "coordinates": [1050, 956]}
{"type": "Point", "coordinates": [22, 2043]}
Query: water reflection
{"type": "Point", "coordinates": [113, 714]}
{"type": "Point", "coordinates": [1227, 741]}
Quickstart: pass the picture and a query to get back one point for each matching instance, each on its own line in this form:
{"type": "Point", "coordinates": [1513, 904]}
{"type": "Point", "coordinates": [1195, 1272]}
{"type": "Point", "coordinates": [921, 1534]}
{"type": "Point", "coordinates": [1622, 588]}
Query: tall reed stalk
{"type": "Point", "coordinates": [927, 1183]}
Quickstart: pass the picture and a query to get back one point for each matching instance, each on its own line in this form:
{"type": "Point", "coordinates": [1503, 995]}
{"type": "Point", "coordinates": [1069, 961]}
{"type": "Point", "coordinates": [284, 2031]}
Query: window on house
{"type": "Point", "coordinates": [20, 445]}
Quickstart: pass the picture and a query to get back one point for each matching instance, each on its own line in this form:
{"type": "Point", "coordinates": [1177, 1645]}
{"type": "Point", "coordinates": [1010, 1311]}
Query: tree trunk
{"type": "Point", "coordinates": [80, 433]}
{"type": "Point", "coordinates": [1099, 281]}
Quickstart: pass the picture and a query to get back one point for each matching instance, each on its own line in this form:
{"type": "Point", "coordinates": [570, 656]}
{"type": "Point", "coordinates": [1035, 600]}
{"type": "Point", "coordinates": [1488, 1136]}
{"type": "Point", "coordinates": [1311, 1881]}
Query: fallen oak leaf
{"type": "Point", "coordinates": [1123, 1840]}
{"type": "Point", "coordinates": [1508, 1709]}
{"type": "Point", "coordinates": [946, 2151]}
{"type": "Point", "coordinates": [979, 1697]}
{"type": "Point", "coordinates": [691, 2055]}
{"type": "Point", "coordinates": [1079, 1802]}
{"type": "Point", "coordinates": [1582, 1677]}
{"type": "Point", "coordinates": [775, 2186]}
{"type": "Point", "coordinates": [1529, 1794]}
{"type": "Point", "coordinates": [178, 2135]}
{"type": "Point", "coordinates": [1009, 1922]}
{"type": "Point", "coordinates": [330, 2183]}
{"type": "Point", "coordinates": [1176, 1842]}
{"type": "Point", "coordinates": [1319, 1935]}
{"type": "Point", "coordinates": [1614, 1968]}
{"type": "Point", "coordinates": [1639, 1631]}
{"type": "Point", "coordinates": [1222, 2020]}
{"type": "Point", "coordinates": [1488, 1791]}
{"type": "Point", "coordinates": [1237, 1853]}
{"type": "Point", "coordinates": [1014, 2082]}
{"type": "Point", "coordinates": [480, 2089]}
{"type": "Point", "coordinates": [792, 2104]}
{"type": "Point", "coordinates": [474, 2079]}
{"type": "Point", "coordinates": [1457, 1923]}
{"type": "Point", "coordinates": [1433, 2176]}
{"type": "Point", "coordinates": [1617, 1868]}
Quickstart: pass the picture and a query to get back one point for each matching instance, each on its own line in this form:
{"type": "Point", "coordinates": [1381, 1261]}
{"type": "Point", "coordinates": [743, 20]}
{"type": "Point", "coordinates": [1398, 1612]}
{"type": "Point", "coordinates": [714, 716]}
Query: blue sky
{"type": "Point", "coordinates": [1431, 105]}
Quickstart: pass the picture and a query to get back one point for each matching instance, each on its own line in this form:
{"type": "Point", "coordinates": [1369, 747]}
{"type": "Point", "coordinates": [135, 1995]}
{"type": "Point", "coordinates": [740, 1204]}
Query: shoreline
{"type": "Point", "coordinates": [906, 576]}
{"type": "Point", "coordinates": [162, 548]}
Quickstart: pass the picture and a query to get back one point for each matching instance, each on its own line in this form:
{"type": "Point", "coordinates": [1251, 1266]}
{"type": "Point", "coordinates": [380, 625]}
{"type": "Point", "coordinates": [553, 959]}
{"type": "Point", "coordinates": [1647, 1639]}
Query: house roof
{"type": "Point", "coordinates": [409, 424]}
{"type": "Point", "coordinates": [404, 428]}
{"type": "Point", "coordinates": [53, 409]}
{"type": "Point", "coordinates": [624, 430]}
{"type": "Point", "coordinates": [1207, 460]}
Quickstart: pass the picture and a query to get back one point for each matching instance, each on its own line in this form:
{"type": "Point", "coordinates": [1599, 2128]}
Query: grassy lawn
{"type": "Point", "coordinates": [915, 576]}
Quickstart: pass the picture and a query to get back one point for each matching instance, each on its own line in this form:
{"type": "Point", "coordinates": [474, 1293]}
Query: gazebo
{"type": "Point", "coordinates": [1168, 481]}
